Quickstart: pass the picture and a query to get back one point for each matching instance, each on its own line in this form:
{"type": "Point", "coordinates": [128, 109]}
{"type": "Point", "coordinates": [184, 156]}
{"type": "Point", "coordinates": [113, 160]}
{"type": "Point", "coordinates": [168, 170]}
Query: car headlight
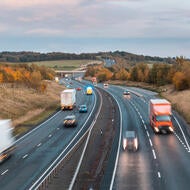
{"type": "Point", "coordinates": [156, 129]}
{"type": "Point", "coordinates": [124, 143]}
{"type": "Point", "coordinates": [171, 129]}
{"type": "Point", "coordinates": [136, 143]}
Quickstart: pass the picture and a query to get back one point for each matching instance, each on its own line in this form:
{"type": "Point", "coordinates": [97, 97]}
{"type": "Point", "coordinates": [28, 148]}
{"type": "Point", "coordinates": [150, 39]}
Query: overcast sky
{"type": "Point", "coordinates": [148, 27]}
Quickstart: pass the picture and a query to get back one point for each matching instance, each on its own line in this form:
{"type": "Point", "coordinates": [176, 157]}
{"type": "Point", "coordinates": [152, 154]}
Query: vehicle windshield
{"type": "Point", "coordinates": [70, 118]}
{"type": "Point", "coordinates": [163, 118]}
{"type": "Point", "coordinates": [129, 134]}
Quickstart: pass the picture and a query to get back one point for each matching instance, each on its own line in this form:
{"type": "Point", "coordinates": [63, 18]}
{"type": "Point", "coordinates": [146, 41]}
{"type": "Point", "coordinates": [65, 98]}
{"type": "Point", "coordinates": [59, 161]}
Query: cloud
{"type": "Point", "coordinates": [3, 28]}
{"type": "Point", "coordinates": [95, 18]}
{"type": "Point", "coordinates": [15, 4]}
{"type": "Point", "coordinates": [45, 32]}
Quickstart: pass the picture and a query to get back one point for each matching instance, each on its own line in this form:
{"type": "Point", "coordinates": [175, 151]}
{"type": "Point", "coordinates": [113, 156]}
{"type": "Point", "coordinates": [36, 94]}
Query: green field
{"type": "Point", "coordinates": [62, 64]}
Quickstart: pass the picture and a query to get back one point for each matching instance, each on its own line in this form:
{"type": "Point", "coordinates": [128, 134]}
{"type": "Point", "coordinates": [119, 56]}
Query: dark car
{"type": "Point", "coordinates": [130, 141]}
{"type": "Point", "coordinates": [83, 108]}
{"type": "Point", "coordinates": [126, 92]}
{"type": "Point", "coordinates": [70, 121]}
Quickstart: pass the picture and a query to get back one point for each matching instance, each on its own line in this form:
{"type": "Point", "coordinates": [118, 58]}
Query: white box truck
{"type": "Point", "coordinates": [68, 99]}
{"type": "Point", "coordinates": [7, 140]}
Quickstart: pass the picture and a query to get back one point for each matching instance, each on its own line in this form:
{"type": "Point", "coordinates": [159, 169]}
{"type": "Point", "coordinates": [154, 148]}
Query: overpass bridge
{"type": "Point", "coordinates": [72, 73]}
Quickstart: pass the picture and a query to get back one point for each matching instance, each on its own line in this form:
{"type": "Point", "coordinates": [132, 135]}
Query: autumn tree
{"type": "Point", "coordinates": [180, 81]}
{"type": "Point", "coordinates": [122, 74]}
{"type": "Point", "coordinates": [104, 74]}
{"type": "Point", "coordinates": [140, 73]}
{"type": "Point", "coordinates": [91, 71]}
{"type": "Point", "coordinates": [35, 80]}
{"type": "Point", "coordinates": [159, 74]}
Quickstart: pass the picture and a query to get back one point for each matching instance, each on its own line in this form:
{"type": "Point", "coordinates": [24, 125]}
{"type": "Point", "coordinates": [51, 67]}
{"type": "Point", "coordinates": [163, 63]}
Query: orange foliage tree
{"type": "Point", "coordinates": [122, 74]}
{"type": "Point", "coordinates": [180, 81]}
{"type": "Point", "coordinates": [30, 76]}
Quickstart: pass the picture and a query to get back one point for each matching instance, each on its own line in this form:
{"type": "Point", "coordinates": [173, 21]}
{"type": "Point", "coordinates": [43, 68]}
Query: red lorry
{"type": "Point", "coordinates": [160, 115]}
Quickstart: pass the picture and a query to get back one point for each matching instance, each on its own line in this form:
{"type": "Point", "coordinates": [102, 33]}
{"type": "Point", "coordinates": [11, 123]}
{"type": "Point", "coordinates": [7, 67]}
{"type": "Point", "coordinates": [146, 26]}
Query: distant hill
{"type": "Point", "coordinates": [26, 56]}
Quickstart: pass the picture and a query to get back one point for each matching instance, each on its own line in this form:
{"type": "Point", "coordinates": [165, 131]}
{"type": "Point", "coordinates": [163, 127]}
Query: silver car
{"type": "Point", "coordinates": [130, 141]}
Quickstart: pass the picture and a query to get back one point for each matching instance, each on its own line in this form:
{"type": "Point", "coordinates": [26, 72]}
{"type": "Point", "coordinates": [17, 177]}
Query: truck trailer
{"type": "Point", "coordinates": [160, 115]}
{"type": "Point", "coordinates": [7, 139]}
{"type": "Point", "coordinates": [68, 99]}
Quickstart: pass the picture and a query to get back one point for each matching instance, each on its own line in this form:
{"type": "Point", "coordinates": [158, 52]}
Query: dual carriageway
{"type": "Point", "coordinates": [43, 158]}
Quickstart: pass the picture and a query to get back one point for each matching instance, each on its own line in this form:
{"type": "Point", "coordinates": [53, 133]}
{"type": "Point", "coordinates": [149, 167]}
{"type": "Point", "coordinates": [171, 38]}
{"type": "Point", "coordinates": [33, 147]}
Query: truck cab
{"type": "Point", "coordinates": [160, 115]}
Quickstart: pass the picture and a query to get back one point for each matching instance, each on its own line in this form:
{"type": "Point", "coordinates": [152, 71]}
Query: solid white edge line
{"type": "Point", "coordinates": [118, 150]}
{"type": "Point", "coordinates": [182, 134]}
{"type": "Point", "coordinates": [34, 184]}
{"type": "Point", "coordinates": [83, 152]}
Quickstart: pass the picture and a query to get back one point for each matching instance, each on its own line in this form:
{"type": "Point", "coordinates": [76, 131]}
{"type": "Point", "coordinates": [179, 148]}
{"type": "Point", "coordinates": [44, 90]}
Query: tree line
{"type": "Point", "coordinates": [157, 74]}
{"type": "Point", "coordinates": [35, 56]}
{"type": "Point", "coordinates": [31, 76]}
{"type": "Point", "coordinates": [27, 56]}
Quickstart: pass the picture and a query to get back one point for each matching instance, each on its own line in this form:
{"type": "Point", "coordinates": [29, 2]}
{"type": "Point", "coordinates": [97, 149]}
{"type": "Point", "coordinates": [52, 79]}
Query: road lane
{"type": "Point", "coordinates": [135, 170]}
{"type": "Point", "coordinates": [36, 151]}
{"type": "Point", "coordinates": [171, 150]}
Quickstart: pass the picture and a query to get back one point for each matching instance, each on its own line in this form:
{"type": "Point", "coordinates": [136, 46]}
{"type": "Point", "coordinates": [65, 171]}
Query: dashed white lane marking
{"type": "Point", "coordinates": [181, 141]}
{"type": "Point", "coordinates": [185, 139]}
{"type": "Point", "coordinates": [159, 175]}
{"type": "Point", "coordinates": [154, 154]}
{"type": "Point", "coordinates": [39, 144]}
{"type": "Point", "coordinates": [150, 142]}
{"type": "Point", "coordinates": [26, 155]}
{"type": "Point", "coordinates": [4, 172]}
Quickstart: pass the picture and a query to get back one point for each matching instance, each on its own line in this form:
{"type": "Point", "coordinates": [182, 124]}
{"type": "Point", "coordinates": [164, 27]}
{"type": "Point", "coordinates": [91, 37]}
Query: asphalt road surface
{"type": "Point", "coordinates": [162, 160]}
{"type": "Point", "coordinates": [38, 149]}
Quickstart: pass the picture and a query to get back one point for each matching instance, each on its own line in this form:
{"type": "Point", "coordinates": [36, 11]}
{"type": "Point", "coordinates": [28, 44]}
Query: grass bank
{"type": "Point", "coordinates": [62, 64]}
{"type": "Point", "coordinates": [26, 107]}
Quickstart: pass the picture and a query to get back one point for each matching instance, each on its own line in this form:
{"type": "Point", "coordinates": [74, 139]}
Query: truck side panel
{"type": "Point", "coordinates": [7, 140]}
{"type": "Point", "coordinates": [68, 99]}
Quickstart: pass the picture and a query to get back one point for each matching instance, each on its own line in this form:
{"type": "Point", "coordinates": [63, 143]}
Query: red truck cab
{"type": "Point", "coordinates": [160, 115]}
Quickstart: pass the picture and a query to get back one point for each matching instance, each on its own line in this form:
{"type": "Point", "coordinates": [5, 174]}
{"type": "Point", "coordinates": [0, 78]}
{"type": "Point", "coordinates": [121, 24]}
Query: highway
{"type": "Point", "coordinates": [36, 151]}
{"type": "Point", "coordinates": [162, 160]}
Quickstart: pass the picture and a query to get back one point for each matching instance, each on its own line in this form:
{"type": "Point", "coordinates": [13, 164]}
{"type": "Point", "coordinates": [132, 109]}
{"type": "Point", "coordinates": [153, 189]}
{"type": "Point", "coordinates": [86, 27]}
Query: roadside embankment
{"type": "Point", "coordinates": [26, 107]}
